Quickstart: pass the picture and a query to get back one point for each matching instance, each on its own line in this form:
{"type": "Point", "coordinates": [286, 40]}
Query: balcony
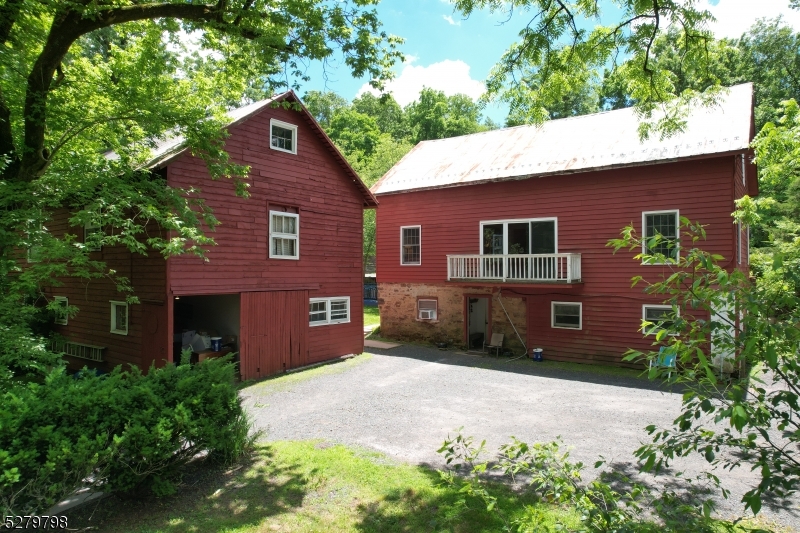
{"type": "Point", "coordinates": [531, 268]}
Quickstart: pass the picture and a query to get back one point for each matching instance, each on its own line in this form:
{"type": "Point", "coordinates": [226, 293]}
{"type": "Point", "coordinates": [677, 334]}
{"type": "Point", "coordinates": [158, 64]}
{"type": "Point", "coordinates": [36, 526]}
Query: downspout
{"type": "Point", "coordinates": [500, 300]}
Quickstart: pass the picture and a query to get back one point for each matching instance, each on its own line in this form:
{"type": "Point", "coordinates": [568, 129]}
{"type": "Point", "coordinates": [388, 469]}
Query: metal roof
{"type": "Point", "coordinates": [576, 144]}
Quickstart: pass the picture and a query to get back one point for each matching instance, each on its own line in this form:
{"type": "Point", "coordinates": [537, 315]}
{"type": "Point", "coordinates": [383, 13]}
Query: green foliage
{"type": "Point", "coordinates": [722, 326]}
{"type": "Point", "coordinates": [119, 432]}
{"type": "Point", "coordinates": [437, 116]}
{"type": "Point", "coordinates": [547, 472]}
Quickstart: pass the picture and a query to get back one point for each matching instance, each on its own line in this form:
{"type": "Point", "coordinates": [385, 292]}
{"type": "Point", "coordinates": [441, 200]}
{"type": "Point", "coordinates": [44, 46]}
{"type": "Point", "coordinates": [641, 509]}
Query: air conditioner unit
{"type": "Point", "coordinates": [426, 314]}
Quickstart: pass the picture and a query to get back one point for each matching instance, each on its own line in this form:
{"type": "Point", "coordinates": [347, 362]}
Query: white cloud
{"type": "Point", "coordinates": [450, 20]}
{"type": "Point", "coordinates": [451, 77]}
{"type": "Point", "coordinates": [734, 17]}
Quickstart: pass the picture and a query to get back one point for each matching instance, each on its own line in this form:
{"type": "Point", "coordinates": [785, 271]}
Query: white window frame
{"type": "Point", "coordinates": [677, 234]}
{"type": "Point", "coordinates": [553, 315]}
{"type": "Point", "coordinates": [295, 236]}
{"type": "Point", "coordinates": [328, 302]}
{"type": "Point", "coordinates": [114, 326]}
{"type": "Point", "coordinates": [419, 227]}
{"type": "Point", "coordinates": [65, 319]}
{"type": "Point", "coordinates": [508, 221]}
{"type": "Point", "coordinates": [88, 228]}
{"type": "Point", "coordinates": [654, 330]}
{"type": "Point", "coordinates": [435, 317]}
{"type": "Point", "coordinates": [285, 125]}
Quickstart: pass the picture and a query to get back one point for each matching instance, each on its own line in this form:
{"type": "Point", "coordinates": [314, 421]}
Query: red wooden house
{"type": "Point", "coordinates": [283, 283]}
{"type": "Point", "coordinates": [505, 231]}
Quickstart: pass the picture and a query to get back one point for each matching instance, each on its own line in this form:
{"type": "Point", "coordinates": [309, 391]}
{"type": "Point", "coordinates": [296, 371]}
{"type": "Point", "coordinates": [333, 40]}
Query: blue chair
{"type": "Point", "coordinates": [664, 360]}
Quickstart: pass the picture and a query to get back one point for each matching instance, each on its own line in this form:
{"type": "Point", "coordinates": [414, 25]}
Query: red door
{"type": "Point", "coordinates": [274, 332]}
{"type": "Point", "coordinates": [155, 340]}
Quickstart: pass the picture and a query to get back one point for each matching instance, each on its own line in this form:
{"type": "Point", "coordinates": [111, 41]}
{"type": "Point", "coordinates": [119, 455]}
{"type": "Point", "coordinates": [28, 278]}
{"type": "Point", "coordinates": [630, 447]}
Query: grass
{"type": "Point", "coordinates": [371, 316]}
{"type": "Point", "coordinates": [311, 487]}
{"type": "Point", "coordinates": [282, 382]}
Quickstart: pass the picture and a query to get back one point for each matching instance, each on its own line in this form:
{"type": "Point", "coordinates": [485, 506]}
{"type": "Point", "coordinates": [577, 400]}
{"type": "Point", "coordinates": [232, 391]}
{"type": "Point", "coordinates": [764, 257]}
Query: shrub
{"type": "Point", "coordinates": [119, 432]}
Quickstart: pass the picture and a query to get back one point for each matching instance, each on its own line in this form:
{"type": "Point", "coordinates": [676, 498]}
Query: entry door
{"type": "Point", "coordinates": [477, 321]}
{"type": "Point", "coordinates": [274, 332]}
{"type": "Point", "coordinates": [155, 341]}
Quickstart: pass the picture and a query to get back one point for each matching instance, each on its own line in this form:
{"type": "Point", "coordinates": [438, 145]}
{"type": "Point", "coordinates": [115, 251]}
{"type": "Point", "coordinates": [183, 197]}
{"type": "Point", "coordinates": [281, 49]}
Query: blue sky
{"type": "Point", "coordinates": [455, 55]}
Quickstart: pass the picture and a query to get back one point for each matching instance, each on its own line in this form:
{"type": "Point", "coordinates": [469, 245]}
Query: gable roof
{"type": "Point", "coordinates": [170, 148]}
{"type": "Point", "coordinates": [577, 144]}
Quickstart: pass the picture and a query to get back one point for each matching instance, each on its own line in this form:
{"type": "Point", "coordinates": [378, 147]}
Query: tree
{"type": "Point", "coordinates": [437, 116]}
{"type": "Point", "coordinates": [81, 79]}
{"type": "Point", "coordinates": [324, 105]}
{"type": "Point", "coordinates": [386, 111]}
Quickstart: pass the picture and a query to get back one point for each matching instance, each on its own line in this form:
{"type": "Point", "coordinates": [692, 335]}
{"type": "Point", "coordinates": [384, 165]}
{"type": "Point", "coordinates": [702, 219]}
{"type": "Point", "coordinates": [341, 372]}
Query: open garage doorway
{"type": "Point", "coordinates": [200, 320]}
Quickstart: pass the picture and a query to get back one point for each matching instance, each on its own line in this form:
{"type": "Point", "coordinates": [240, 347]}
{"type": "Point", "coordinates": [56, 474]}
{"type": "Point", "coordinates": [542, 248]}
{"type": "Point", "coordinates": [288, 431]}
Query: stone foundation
{"type": "Point", "coordinates": [398, 308]}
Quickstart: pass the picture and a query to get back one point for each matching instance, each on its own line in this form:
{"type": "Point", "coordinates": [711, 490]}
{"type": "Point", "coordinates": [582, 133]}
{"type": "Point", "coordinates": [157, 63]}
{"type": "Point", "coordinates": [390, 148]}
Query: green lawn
{"type": "Point", "coordinates": [311, 487]}
{"type": "Point", "coordinates": [371, 316]}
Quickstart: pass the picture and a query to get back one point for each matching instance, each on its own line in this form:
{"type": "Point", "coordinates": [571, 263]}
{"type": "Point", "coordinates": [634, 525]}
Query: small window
{"type": "Point", "coordinates": [665, 224]}
{"type": "Point", "coordinates": [119, 318]}
{"type": "Point", "coordinates": [328, 310]}
{"type": "Point", "coordinates": [283, 136]}
{"type": "Point", "coordinates": [90, 229]}
{"type": "Point", "coordinates": [284, 232]}
{"type": "Point", "coordinates": [567, 315]}
{"type": "Point", "coordinates": [410, 245]}
{"type": "Point", "coordinates": [655, 318]}
{"type": "Point", "coordinates": [62, 318]}
{"type": "Point", "coordinates": [427, 309]}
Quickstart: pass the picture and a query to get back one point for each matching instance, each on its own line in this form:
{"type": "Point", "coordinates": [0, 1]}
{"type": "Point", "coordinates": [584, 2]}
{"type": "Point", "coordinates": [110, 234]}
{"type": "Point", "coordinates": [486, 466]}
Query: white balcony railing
{"type": "Point", "coordinates": [546, 268]}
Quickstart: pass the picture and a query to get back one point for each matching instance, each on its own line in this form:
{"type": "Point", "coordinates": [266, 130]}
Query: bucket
{"type": "Point", "coordinates": [536, 354]}
{"type": "Point", "coordinates": [216, 344]}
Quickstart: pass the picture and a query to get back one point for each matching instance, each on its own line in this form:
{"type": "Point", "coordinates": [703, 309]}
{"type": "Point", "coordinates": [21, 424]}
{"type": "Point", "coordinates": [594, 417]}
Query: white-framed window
{"type": "Point", "coordinates": [655, 318]}
{"type": "Point", "coordinates": [323, 311]}
{"type": "Point", "coordinates": [519, 236]}
{"type": "Point", "coordinates": [664, 223]}
{"type": "Point", "coordinates": [427, 309]}
{"type": "Point", "coordinates": [411, 245]}
{"type": "Point", "coordinates": [283, 136]}
{"type": "Point", "coordinates": [119, 318]}
{"type": "Point", "coordinates": [566, 315]}
{"type": "Point", "coordinates": [284, 235]}
{"type": "Point", "coordinates": [89, 229]}
{"type": "Point", "coordinates": [62, 318]}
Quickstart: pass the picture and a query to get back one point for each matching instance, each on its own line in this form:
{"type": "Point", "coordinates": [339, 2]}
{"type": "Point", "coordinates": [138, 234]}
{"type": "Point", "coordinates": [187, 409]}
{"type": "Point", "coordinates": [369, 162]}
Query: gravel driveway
{"type": "Point", "coordinates": [405, 401]}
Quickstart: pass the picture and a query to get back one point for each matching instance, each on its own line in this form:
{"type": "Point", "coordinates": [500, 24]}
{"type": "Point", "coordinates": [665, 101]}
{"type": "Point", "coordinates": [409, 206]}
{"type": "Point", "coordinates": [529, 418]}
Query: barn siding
{"type": "Point", "coordinates": [330, 207]}
{"type": "Point", "coordinates": [591, 208]}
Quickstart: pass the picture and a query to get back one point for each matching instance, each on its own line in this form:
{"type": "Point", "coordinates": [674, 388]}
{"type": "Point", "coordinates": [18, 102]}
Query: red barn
{"type": "Point", "coordinates": [505, 231]}
{"type": "Point", "coordinates": [283, 286]}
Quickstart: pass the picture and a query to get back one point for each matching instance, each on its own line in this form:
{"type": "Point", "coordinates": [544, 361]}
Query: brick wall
{"type": "Point", "coordinates": [398, 303]}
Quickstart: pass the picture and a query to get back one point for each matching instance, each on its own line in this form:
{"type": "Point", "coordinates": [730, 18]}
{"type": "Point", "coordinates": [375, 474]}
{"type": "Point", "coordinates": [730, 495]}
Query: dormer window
{"type": "Point", "coordinates": [283, 136]}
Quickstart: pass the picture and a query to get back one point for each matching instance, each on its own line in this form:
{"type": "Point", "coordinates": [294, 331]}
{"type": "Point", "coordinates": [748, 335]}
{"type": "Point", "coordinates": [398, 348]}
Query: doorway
{"type": "Point", "coordinates": [477, 321]}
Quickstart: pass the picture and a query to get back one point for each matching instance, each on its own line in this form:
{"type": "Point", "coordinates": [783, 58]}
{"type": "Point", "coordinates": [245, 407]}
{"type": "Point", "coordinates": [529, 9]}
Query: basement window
{"type": "Point", "coordinates": [427, 309]}
{"type": "Point", "coordinates": [62, 318]}
{"type": "Point", "coordinates": [323, 311]}
{"type": "Point", "coordinates": [567, 315]}
{"type": "Point", "coordinates": [119, 318]}
{"type": "Point", "coordinates": [656, 317]}
{"type": "Point", "coordinates": [283, 136]}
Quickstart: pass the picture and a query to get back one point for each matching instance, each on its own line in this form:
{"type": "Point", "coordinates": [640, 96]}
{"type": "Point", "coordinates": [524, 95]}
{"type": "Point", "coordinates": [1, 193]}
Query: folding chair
{"type": "Point", "coordinates": [495, 344]}
{"type": "Point", "coordinates": [664, 360]}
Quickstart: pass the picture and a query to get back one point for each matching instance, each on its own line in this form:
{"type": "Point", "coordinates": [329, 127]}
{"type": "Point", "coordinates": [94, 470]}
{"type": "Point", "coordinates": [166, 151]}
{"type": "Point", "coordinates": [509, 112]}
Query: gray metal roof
{"type": "Point", "coordinates": [576, 144]}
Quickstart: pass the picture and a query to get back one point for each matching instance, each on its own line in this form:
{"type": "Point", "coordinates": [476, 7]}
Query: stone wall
{"type": "Point", "coordinates": [398, 308]}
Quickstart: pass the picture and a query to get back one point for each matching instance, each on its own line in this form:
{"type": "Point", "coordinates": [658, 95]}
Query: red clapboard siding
{"type": "Point", "coordinates": [591, 208]}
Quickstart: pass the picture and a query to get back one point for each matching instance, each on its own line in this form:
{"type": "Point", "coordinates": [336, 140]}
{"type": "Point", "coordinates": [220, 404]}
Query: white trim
{"type": "Point", "coordinates": [295, 236]}
{"type": "Point", "coordinates": [677, 234]}
{"type": "Point", "coordinates": [553, 315]}
{"type": "Point", "coordinates": [66, 317]}
{"type": "Point", "coordinates": [435, 310]}
{"type": "Point", "coordinates": [654, 330]}
{"type": "Point", "coordinates": [505, 230]}
{"type": "Point", "coordinates": [419, 227]}
{"type": "Point", "coordinates": [114, 326]}
{"type": "Point", "coordinates": [286, 125]}
{"type": "Point", "coordinates": [328, 302]}
{"type": "Point", "coordinates": [739, 242]}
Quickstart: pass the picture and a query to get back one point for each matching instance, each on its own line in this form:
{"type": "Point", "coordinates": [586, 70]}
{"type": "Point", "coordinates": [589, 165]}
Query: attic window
{"type": "Point", "coordinates": [283, 136]}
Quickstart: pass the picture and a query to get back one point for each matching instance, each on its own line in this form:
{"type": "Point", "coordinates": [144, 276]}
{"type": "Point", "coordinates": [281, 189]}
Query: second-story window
{"type": "Point", "coordinates": [283, 136]}
{"type": "Point", "coordinates": [660, 235]}
{"type": "Point", "coordinates": [284, 235]}
{"type": "Point", "coordinates": [411, 245]}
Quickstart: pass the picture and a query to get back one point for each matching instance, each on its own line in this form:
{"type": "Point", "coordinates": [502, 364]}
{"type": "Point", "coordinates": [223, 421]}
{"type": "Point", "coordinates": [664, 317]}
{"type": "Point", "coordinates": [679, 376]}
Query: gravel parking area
{"type": "Point", "coordinates": [405, 401]}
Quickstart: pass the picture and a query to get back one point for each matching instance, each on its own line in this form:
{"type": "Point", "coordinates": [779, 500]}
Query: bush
{"type": "Point", "coordinates": [120, 432]}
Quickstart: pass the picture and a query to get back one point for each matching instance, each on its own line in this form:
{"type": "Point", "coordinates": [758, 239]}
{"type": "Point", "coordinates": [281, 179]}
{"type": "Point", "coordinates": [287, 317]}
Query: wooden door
{"type": "Point", "coordinates": [274, 332]}
{"type": "Point", "coordinates": [156, 341]}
